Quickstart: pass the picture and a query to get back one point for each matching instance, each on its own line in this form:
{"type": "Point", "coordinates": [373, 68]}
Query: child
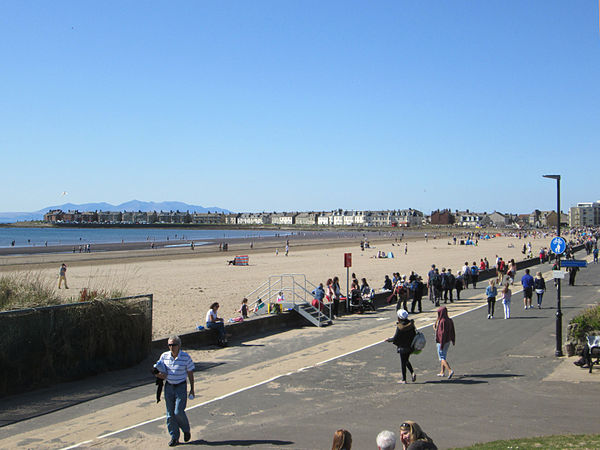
{"type": "Point", "coordinates": [506, 296]}
{"type": "Point", "coordinates": [244, 308]}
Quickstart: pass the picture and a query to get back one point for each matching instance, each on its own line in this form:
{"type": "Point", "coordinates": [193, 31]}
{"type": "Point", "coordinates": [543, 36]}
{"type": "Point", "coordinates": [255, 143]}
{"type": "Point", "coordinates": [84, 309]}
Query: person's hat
{"type": "Point", "coordinates": [402, 314]}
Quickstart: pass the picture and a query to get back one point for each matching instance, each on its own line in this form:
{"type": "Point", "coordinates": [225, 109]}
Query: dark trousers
{"type": "Point", "coordinates": [491, 304]}
{"type": "Point", "coordinates": [474, 280]}
{"type": "Point", "coordinates": [458, 294]}
{"type": "Point", "coordinates": [336, 306]}
{"type": "Point", "coordinates": [404, 362]}
{"type": "Point", "coordinates": [416, 301]}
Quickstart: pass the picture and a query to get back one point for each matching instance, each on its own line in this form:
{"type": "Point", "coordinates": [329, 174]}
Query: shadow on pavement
{"type": "Point", "coordinates": [240, 443]}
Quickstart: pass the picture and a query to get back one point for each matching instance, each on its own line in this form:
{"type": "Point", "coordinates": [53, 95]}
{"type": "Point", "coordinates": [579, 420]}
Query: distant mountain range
{"type": "Point", "coordinates": [133, 205]}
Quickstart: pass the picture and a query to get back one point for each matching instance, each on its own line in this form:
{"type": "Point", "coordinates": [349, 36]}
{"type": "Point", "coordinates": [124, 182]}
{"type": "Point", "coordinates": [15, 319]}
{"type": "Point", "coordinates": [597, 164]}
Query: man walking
{"type": "Point", "coordinates": [527, 283]}
{"type": "Point", "coordinates": [62, 276]}
{"type": "Point", "coordinates": [179, 366]}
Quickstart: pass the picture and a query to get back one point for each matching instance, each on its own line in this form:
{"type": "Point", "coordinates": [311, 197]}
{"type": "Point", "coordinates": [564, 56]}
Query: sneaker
{"type": "Point", "coordinates": [173, 442]}
{"type": "Point", "coordinates": [414, 377]}
{"type": "Point", "coordinates": [489, 316]}
{"type": "Point", "coordinates": [187, 436]}
{"type": "Point", "coordinates": [450, 374]}
{"type": "Point", "coordinates": [492, 317]}
{"type": "Point", "coordinates": [402, 381]}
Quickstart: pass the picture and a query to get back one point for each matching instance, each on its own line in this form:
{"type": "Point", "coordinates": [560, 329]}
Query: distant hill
{"type": "Point", "coordinates": [133, 205]}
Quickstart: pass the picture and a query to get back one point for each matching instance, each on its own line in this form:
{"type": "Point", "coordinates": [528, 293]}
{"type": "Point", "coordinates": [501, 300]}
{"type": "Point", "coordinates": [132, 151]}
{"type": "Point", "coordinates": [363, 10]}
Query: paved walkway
{"type": "Point", "coordinates": [294, 389]}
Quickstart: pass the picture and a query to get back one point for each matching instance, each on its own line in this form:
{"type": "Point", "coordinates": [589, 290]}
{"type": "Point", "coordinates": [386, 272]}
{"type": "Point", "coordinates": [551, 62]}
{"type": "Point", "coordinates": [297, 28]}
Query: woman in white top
{"type": "Point", "coordinates": [506, 296]}
{"type": "Point", "coordinates": [213, 322]}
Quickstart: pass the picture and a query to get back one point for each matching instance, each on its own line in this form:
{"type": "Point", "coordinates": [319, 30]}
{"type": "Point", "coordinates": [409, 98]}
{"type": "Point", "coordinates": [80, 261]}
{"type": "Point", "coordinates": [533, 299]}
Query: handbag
{"type": "Point", "coordinates": [418, 342]}
{"type": "Point", "coordinates": [539, 291]}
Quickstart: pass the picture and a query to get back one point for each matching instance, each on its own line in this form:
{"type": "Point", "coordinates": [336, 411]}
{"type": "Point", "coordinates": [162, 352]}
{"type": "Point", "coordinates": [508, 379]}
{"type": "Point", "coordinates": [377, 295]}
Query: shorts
{"type": "Point", "coordinates": [443, 352]}
{"type": "Point", "coordinates": [527, 292]}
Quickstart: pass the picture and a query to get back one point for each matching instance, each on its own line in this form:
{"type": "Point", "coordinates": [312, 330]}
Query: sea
{"type": "Point", "coordinates": [34, 237]}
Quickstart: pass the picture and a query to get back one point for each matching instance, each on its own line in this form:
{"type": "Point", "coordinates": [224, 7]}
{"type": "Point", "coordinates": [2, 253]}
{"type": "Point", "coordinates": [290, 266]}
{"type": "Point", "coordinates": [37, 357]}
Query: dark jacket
{"type": "Point", "coordinates": [405, 333]}
{"type": "Point", "coordinates": [539, 283]}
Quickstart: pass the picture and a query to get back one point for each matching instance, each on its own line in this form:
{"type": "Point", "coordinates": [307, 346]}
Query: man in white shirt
{"type": "Point", "coordinates": [179, 366]}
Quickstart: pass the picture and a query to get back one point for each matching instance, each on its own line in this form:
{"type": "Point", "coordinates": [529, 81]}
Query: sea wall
{"type": "Point", "coordinates": [43, 346]}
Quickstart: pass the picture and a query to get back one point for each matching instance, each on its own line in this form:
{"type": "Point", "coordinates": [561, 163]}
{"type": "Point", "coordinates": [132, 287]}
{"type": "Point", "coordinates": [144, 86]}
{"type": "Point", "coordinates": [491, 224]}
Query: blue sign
{"type": "Point", "coordinates": [573, 263]}
{"type": "Point", "coordinates": [558, 245]}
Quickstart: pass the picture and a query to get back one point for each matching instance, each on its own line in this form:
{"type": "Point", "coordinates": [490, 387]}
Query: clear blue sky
{"type": "Point", "coordinates": [300, 105]}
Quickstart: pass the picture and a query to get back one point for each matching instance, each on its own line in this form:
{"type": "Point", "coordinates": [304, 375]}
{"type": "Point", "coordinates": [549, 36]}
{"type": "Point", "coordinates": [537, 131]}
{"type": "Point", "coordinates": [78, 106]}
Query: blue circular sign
{"type": "Point", "coordinates": [558, 245]}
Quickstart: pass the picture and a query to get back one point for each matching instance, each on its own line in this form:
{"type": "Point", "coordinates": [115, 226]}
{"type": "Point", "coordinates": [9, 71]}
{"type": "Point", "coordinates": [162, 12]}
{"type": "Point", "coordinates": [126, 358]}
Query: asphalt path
{"type": "Point", "coordinates": [293, 390]}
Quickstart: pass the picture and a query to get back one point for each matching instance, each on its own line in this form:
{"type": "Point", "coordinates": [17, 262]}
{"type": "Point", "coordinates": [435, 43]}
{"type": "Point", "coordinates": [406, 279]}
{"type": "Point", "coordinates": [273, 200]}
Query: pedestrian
{"type": "Point", "coordinates": [214, 322]}
{"type": "Point", "coordinates": [540, 287]}
{"type": "Point", "coordinates": [491, 292]}
{"type": "Point", "coordinates": [342, 440]}
{"type": "Point", "coordinates": [336, 297]}
{"type": "Point", "coordinates": [417, 287]}
{"type": "Point", "coordinates": [572, 273]}
{"type": "Point", "coordinates": [414, 438]}
{"type": "Point", "coordinates": [458, 284]}
{"type": "Point", "coordinates": [287, 249]}
{"type": "Point", "coordinates": [62, 275]}
{"type": "Point", "coordinates": [402, 339]}
{"type": "Point", "coordinates": [444, 334]}
{"type": "Point", "coordinates": [500, 268]}
{"type": "Point", "coordinates": [405, 248]}
{"type": "Point", "coordinates": [506, 296]}
{"type": "Point", "coordinates": [430, 276]}
{"type": "Point", "coordinates": [386, 440]}
{"type": "Point", "coordinates": [595, 253]}
{"type": "Point", "coordinates": [474, 274]}
{"type": "Point", "coordinates": [179, 366]}
{"type": "Point", "coordinates": [527, 283]}
{"type": "Point", "coordinates": [466, 273]}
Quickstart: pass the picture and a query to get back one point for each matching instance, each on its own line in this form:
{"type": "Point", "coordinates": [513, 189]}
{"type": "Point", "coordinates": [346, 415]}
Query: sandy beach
{"type": "Point", "coordinates": [184, 282]}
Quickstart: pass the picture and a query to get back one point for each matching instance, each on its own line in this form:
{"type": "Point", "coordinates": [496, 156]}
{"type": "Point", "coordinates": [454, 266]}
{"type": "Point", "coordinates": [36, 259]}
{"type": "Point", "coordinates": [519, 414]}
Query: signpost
{"type": "Point", "coordinates": [558, 245]}
{"type": "Point", "coordinates": [574, 263]}
{"type": "Point", "coordinates": [347, 265]}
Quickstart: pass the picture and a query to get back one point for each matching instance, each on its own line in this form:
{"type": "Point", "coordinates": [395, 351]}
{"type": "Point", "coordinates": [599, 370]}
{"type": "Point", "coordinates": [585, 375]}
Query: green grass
{"type": "Point", "coordinates": [568, 441]}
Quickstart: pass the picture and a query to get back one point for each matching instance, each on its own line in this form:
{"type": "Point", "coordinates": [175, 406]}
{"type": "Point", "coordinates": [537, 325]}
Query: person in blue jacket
{"type": "Point", "coordinates": [491, 292]}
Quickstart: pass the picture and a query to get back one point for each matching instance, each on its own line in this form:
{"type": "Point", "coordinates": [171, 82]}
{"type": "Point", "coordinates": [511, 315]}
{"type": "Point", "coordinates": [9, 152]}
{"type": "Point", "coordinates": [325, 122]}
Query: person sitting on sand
{"type": "Point", "coordinates": [231, 262]}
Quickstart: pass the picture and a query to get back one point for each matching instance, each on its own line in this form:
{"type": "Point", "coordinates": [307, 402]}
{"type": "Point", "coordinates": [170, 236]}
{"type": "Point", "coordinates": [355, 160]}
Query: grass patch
{"type": "Point", "coordinates": [26, 290]}
{"type": "Point", "coordinates": [566, 441]}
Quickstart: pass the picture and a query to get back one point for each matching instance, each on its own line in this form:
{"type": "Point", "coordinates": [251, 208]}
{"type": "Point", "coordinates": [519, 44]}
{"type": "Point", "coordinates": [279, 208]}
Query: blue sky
{"type": "Point", "coordinates": [300, 105]}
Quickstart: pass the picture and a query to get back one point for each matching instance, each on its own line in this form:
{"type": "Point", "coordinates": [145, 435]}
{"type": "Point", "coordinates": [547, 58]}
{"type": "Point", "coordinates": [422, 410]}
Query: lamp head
{"type": "Point", "coordinates": [554, 177]}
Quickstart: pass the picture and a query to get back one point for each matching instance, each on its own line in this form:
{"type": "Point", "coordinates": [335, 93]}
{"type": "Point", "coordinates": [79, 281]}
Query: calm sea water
{"type": "Point", "coordinates": [26, 237]}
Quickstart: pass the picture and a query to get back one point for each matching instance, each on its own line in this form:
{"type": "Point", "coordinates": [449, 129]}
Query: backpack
{"type": "Point", "coordinates": [474, 270]}
{"type": "Point", "coordinates": [445, 283]}
{"type": "Point", "coordinates": [436, 281]}
{"type": "Point", "coordinates": [418, 342]}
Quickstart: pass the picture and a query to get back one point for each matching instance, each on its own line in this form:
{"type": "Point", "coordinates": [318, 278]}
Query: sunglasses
{"type": "Point", "coordinates": [405, 425]}
{"type": "Point", "coordinates": [172, 345]}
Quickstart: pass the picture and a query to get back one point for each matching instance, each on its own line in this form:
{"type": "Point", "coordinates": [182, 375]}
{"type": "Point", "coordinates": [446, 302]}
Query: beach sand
{"type": "Point", "coordinates": [185, 283]}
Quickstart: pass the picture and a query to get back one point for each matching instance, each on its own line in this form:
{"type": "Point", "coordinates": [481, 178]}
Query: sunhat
{"type": "Point", "coordinates": [402, 314]}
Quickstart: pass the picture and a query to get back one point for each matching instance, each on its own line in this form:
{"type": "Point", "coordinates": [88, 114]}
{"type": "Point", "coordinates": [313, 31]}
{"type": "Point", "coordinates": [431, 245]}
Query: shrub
{"type": "Point", "coordinates": [585, 322]}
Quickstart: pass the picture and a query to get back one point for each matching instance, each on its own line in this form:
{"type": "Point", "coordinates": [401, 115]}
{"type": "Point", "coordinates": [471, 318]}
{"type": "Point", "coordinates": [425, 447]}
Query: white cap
{"type": "Point", "coordinates": [402, 314]}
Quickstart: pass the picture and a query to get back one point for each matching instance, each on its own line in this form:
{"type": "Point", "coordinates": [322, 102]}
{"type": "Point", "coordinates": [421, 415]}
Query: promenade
{"type": "Point", "coordinates": [294, 389]}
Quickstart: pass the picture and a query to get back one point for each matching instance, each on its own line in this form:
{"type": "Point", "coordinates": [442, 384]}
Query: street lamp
{"type": "Point", "coordinates": [558, 351]}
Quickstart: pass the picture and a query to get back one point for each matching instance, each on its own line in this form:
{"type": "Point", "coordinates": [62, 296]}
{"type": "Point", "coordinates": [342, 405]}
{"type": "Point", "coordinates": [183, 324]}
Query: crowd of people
{"type": "Point", "coordinates": [411, 437]}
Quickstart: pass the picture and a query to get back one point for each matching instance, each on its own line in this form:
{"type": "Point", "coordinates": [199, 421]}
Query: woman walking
{"type": "Point", "coordinates": [491, 292]}
{"type": "Point", "coordinates": [540, 287]}
{"type": "Point", "coordinates": [405, 333]}
{"type": "Point", "coordinates": [444, 334]}
{"type": "Point", "coordinates": [506, 296]}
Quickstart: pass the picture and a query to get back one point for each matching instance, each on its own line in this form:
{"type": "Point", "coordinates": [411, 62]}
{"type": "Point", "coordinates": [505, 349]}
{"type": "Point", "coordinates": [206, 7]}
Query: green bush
{"type": "Point", "coordinates": [586, 322]}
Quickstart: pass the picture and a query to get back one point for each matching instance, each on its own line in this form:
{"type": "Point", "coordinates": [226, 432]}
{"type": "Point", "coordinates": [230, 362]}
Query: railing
{"type": "Point", "coordinates": [286, 290]}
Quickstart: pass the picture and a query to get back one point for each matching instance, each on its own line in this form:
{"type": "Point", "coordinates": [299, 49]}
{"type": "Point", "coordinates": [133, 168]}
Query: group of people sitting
{"type": "Point", "coordinates": [412, 437]}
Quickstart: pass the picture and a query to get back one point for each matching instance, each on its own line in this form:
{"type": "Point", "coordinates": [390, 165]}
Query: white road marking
{"type": "Point", "coordinates": [262, 382]}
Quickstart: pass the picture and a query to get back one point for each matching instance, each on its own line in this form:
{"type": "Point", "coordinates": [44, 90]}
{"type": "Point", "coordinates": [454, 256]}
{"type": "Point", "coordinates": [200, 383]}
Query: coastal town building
{"type": "Point", "coordinates": [442, 217]}
{"type": "Point", "coordinates": [585, 214]}
{"type": "Point", "coordinates": [307, 218]}
{"type": "Point", "coordinates": [469, 219]}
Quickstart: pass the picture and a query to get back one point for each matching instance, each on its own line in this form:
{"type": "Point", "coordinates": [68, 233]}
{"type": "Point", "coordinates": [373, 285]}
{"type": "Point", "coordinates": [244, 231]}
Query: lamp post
{"type": "Point", "coordinates": [558, 351]}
